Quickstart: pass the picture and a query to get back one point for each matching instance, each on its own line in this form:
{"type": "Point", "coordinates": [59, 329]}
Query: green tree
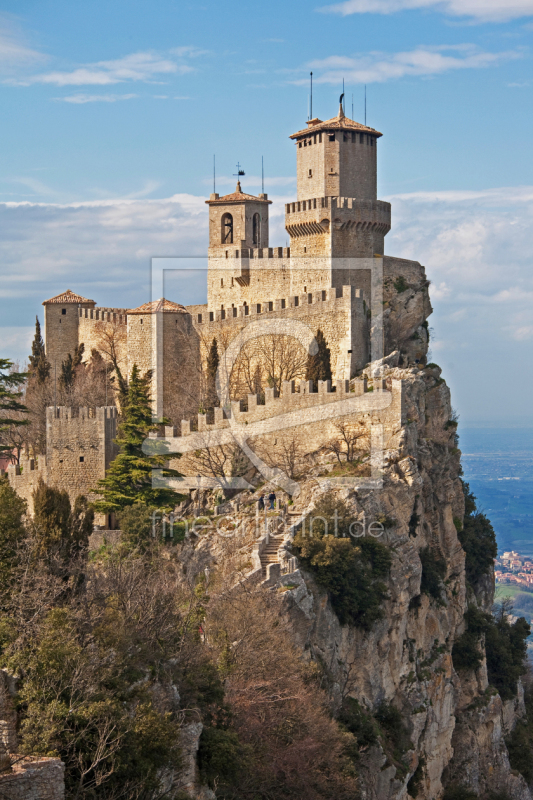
{"type": "Point", "coordinates": [12, 531]}
{"type": "Point", "coordinates": [129, 478]}
{"type": "Point", "coordinates": [319, 365]}
{"type": "Point", "coordinates": [68, 367]}
{"type": "Point", "coordinates": [39, 364]}
{"type": "Point", "coordinates": [350, 569]}
{"type": "Point", "coordinates": [478, 540]}
{"type": "Point", "coordinates": [59, 529]}
{"type": "Point", "coordinates": [213, 361]}
{"type": "Point", "coordinates": [10, 399]}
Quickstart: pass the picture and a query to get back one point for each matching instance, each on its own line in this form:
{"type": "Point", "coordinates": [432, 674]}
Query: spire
{"type": "Point", "coordinates": [238, 189]}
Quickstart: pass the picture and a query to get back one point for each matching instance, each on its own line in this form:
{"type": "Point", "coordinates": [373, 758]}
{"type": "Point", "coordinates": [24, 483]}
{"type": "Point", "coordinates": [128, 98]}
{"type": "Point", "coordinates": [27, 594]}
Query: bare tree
{"type": "Point", "coordinates": [268, 361]}
{"type": "Point", "coordinates": [346, 445]}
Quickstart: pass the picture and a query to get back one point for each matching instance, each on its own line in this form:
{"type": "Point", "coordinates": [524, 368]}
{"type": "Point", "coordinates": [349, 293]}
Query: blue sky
{"type": "Point", "coordinates": [112, 113]}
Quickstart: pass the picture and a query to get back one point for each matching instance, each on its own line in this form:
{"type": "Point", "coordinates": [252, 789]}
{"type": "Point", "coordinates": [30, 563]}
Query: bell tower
{"type": "Point", "coordinates": [238, 227]}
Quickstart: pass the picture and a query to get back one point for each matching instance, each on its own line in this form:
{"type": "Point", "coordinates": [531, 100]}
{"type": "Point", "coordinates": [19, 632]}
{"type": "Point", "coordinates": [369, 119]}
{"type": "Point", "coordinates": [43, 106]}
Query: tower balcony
{"type": "Point", "coordinates": [320, 215]}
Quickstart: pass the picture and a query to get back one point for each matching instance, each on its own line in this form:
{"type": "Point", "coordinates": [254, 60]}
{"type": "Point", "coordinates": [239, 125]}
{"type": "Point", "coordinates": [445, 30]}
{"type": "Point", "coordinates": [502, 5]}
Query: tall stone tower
{"type": "Point", "coordinates": [61, 323]}
{"type": "Point", "coordinates": [238, 226]}
{"type": "Point", "coordinates": [337, 215]}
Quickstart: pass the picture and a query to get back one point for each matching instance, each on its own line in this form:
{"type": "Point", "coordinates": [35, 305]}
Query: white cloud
{"type": "Point", "coordinates": [145, 67]}
{"type": "Point", "coordinates": [80, 99]}
{"type": "Point", "coordinates": [16, 342]}
{"type": "Point", "coordinates": [378, 67]}
{"type": "Point", "coordinates": [480, 10]}
{"type": "Point", "coordinates": [15, 54]}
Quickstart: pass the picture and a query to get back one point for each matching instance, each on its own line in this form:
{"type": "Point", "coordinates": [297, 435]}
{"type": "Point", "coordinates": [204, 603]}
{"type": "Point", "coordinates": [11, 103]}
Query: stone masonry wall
{"type": "Point", "coordinates": [344, 166]}
{"type": "Point", "coordinates": [79, 447]}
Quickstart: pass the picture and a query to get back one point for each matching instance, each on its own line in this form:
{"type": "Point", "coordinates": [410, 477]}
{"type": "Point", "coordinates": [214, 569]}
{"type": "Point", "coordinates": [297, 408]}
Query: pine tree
{"type": "Point", "coordinates": [39, 364]}
{"type": "Point", "coordinates": [129, 477]}
{"type": "Point", "coordinates": [319, 365]}
{"type": "Point", "coordinates": [213, 361]}
{"type": "Point", "coordinates": [9, 399]}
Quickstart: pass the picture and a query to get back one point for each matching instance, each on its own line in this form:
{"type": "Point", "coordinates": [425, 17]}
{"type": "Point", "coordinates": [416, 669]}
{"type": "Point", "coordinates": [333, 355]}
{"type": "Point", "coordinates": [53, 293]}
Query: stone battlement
{"type": "Point", "coordinates": [243, 412]}
{"type": "Point", "coordinates": [254, 253]}
{"type": "Point", "coordinates": [81, 413]}
{"type": "Point", "coordinates": [328, 299]}
{"type": "Point", "coordinates": [336, 203]}
{"type": "Point", "coordinates": [104, 314]}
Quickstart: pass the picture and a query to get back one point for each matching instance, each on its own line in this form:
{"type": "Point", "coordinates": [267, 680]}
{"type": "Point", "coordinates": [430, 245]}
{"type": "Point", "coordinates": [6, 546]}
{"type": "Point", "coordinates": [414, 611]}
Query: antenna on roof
{"type": "Point", "coordinates": [262, 177]}
{"type": "Point", "coordinates": [311, 108]}
{"type": "Point", "coordinates": [352, 105]}
{"type": "Point", "coordinates": [214, 189]}
{"type": "Point", "coordinates": [343, 95]}
{"type": "Point", "coordinates": [365, 103]}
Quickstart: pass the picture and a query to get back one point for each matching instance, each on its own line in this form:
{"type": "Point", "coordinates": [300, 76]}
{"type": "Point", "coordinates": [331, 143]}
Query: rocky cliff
{"type": "Point", "coordinates": [454, 723]}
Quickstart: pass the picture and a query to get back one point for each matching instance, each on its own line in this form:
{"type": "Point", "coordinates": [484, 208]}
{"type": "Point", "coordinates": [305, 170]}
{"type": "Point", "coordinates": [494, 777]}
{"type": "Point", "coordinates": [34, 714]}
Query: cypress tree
{"type": "Point", "coordinates": [129, 477]}
{"type": "Point", "coordinates": [9, 399]}
{"type": "Point", "coordinates": [68, 367]}
{"type": "Point", "coordinates": [213, 361]}
{"type": "Point", "coordinates": [319, 365]}
{"type": "Point", "coordinates": [39, 364]}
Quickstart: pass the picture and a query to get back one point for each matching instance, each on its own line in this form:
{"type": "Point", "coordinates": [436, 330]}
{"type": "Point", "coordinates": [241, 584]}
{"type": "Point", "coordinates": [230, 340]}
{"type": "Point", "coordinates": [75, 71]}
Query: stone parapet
{"type": "Point", "coordinates": [33, 779]}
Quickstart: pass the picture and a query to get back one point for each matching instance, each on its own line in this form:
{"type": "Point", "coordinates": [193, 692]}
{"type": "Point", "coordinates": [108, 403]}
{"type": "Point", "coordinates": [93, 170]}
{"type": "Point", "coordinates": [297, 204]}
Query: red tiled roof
{"type": "Point", "coordinates": [67, 297]}
{"type": "Point", "coordinates": [238, 196]}
{"type": "Point", "coordinates": [340, 122]}
{"type": "Point", "coordinates": [156, 306]}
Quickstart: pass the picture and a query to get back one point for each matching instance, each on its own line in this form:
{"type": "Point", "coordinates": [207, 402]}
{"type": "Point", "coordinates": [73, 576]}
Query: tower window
{"type": "Point", "coordinates": [331, 137]}
{"type": "Point", "coordinates": [221, 282]}
{"type": "Point", "coordinates": [82, 459]}
{"type": "Point", "coordinates": [63, 311]}
{"type": "Point", "coordinates": [299, 144]}
{"type": "Point", "coordinates": [344, 137]}
{"type": "Point", "coordinates": [227, 229]}
{"type": "Point", "coordinates": [310, 173]}
{"type": "Point", "coordinates": [319, 137]}
{"type": "Point", "coordinates": [256, 230]}
{"type": "Point", "coordinates": [141, 322]}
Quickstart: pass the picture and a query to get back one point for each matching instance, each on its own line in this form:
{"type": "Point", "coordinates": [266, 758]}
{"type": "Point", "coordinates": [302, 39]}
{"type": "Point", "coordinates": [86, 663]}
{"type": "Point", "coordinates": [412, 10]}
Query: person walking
{"type": "Point", "coordinates": [261, 502]}
{"type": "Point", "coordinates": [272, 498]}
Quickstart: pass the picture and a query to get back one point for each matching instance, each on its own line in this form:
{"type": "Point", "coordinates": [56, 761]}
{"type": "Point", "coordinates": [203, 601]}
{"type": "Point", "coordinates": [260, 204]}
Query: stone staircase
{"type": "Point", "coordinates": [270, 553]}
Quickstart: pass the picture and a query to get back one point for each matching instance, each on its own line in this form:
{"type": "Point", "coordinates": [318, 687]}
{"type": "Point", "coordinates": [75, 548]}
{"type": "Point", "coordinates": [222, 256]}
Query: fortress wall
{"type": "Point", "coordinates": [95, 324]}
{"type": "Point", "coordinates": [240, 277]}
{"type": "Point", "coordinates": [25, 477]}
{"type": "Point", "coordinates": [307, 418]}
{"type": "Point", "coordinates": [34, 779]}
{"type": "Point", "coordinates": [79, 447]}
{"type": "Point", "coordinates": [342, 320]}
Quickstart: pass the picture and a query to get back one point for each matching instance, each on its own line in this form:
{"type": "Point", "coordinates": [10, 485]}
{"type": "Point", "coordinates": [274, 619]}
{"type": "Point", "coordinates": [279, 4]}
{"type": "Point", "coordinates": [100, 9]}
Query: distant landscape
{"type": "Point", "coordinates": [498, 465]}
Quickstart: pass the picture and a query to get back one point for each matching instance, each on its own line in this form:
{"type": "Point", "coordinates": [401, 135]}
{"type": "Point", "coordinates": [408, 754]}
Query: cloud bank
{"type": "Point", "coordinates": [479, 10]}
{"type": "Point", "coordinates": [423, 61]}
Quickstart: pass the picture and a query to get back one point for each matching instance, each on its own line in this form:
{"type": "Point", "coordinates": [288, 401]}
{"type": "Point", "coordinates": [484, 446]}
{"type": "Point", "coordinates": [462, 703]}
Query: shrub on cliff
{"type": "Point", "coordinates": [520, 741]}
{"type": "Point", "coordinates": [505, 648]}
{"type": "Point", "coordinates": [433, 572]}
{"type": "Point", "coordinates": [478, 540]}
{"type": "Point", "coordinates": [350, 569]}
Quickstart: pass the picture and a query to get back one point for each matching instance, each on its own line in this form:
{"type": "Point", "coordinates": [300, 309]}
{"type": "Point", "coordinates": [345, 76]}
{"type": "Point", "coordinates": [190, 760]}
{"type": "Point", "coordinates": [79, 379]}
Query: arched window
{"type": "Point", "coordinates": [257, 230]}
{"type": "Point", "coordinates": [227, 229]}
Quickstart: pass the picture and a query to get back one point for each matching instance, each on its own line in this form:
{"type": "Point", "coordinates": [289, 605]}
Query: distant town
{"type": "Point", "coordinates": [511, 567]}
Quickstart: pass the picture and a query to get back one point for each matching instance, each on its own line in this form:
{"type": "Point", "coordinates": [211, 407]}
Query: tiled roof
{"type": "Point", "coordinates": [156, 306]}
{"type": "Point", "coordinates": [238, 196]}
{"type": "Point", "coordinates": [340, 122]}
{"type": "Point", "coordinates": [67, 297]}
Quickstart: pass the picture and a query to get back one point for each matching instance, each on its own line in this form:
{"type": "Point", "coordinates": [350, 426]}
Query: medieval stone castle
{"type": "Point", "coordinates": [331, 277]}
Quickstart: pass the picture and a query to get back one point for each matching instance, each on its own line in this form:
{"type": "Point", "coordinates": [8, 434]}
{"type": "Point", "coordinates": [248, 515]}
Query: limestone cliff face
{"type": "Point", "coordinates": [457, 728]}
